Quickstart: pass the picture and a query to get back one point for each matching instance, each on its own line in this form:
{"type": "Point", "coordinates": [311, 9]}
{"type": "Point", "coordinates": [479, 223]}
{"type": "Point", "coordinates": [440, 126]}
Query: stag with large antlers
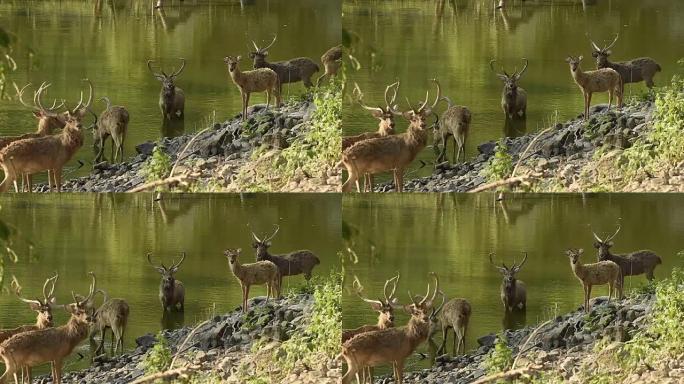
{"type": "Point", "coordinates": [51, 345]}
{"type": "Point", "coordinates": [171, 291]}
{"type": "Point", "coordinates": [632, 71]}
{"type": "Point", "coordinates": [290, 71]}
{"type": "Point", "coordinates": [386, 124]}
{"type": "Point", "coordinates": [513, 291]}
{"type": "Point", "coordinates": [290, 264]}
{"type": "Point", "coordinates": [631, 264]}
{"type": "Point", "coordinates": [393, 345]}
{"type": "Point", "coordinates": [513, 97]}
{"type": "Point", "coordinates": [171, 97]}
{"type": "Point", "coordinates": [390, 153]}
{"type": "Point", "coordinates": [48, 153]}
{"type": "Point", "coordinates": [257, 80]}
{"type": "Point", "coordinates": [600, 80]}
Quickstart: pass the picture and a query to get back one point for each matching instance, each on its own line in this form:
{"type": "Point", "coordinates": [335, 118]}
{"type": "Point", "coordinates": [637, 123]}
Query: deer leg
{"type": "Point", "coordinates": [442, 346]}
{"type": "Point", "coordinates": [400, 180]}
{"type": "Point", "coordinates": [610, 98]}
{"type": "Point", "coordinates": [58, 179]}
{"type": "Point", "coordinates": [400, 371]}
{"type": "Point", "coordinates": [100, 348]}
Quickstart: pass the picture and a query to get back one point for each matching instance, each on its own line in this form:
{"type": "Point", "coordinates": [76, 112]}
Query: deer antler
{"type": "Point", "coordinates": [394, 96]}
{"type": "Point", "coordinates": [358, 288]}
{"type": "Point", "coordinates": [517, 267]}
{"type": "Point", "coordinates": [594, 45]}
{"type": "Point", "coordinates": [17, 291]}
{"type": "Point", "coordinates": [614, 234]}
{"type": "Point", "coordinates": [359, 94]}
{"type": "Point", "coordinates": [518, 75]}
{"type": "Point", "coordinates": [160, 268]}
{"type": "Point", "coordinates": [91, 293]}
{"type": "Point", "coordinates": [176, 265]}
{"type": "Point", "coordinates": [617, 35]}
{"type": "Point", "coordinates": [178, 72]}
{"type": "Point", "coordinates": [435, 311]}
{"type": "Point", "coordinates": [277, 228]}
{"type": "Point", "coordinates": [275, 37]}
{"type": "Point", "coordinates": [20, 94]}
{"type": "Point", "coordinates": [161, 72]}
{"type": "Point", "coordinates": [38, 99]}
{"type": "Point", "coordinates": [439, 94]}
{"type": "Point", "coordinates": [49, 295]}
{"type": "Point", "coordinates": [496, 266]}
{"type": "Point", "coordinates": [390, 297]}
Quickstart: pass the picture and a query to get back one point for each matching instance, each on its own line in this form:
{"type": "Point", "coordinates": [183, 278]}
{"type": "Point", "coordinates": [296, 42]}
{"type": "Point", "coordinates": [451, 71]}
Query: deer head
{"type": "Point", "coordinates": [43, 307]}
{"type": "Point", "coordinates": [417, 117]}
{"type": "Point", "coordinates": [574, 62]}
{"type": "Point", "coordinates": [82, 309]}
{"type": "Point", "coordinates": [384, 114]}
{"type": "Point", "coordinates": [168, 81]}
{"type": "Point", "coordinates": [384, 306]}
{"type": "Point", "coordinates": [510, 81]}
{"type": "Point", "coordinates": [232, 63]}
{"type": "Point", "coordinates": [508, 274]}
{"type": "Point", "coordinates": [168, 280]}
{"type": "Point", "coordinates": [261, 246]}
{"type": "Point", "coordinates": [603, 245]}
{"type": "Point", "coordinates": [259, 54]}
{"type": "Point", "coordinates": [420, 306]}
{"type": "Point", "coordinates": [601, 54]}
{"type": "Point", "coordinates": [232, 255]}
{"type": "Point", "coordinates": [574, 254]}
{"type": "Point", "coordinates": [434, 321]}
{"type": "Point", "coordinates": [73, 116]}
{"type": "Point", "coordinates": [48, 118]}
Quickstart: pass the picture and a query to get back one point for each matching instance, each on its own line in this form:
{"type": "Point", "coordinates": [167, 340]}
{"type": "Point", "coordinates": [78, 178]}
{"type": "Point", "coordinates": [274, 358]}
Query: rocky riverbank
{"type": "Point", "coordinates": [564, 349]}
{"type": "Point", "coordinates": [217, 157]}
{"type": "Point", "coordinates": [568, 157]}
{"type": "Point", "coordinates": [220, 349]}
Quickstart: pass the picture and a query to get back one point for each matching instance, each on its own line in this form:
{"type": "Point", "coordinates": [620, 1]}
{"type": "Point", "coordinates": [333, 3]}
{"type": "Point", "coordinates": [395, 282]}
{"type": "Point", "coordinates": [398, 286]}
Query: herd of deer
{"type": "Point", "coordinates": [384, 344]}
{"type": "Point", "coordinates": [382, 151]}
{"type": "Point", "coordinates": [30, 345]}
{"type": "Point", "coordinates": [45, 150]}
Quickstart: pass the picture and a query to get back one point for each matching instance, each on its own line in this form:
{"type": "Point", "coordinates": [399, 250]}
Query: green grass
{"type": "Point", "coordinates": [158, 358]}
{"type": "Point", "coordinates": [157, 166]}
{"type": "Point", "coordinates": [500, 359]}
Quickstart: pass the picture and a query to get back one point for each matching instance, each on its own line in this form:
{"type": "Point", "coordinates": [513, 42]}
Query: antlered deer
{"type": "Point", "coordinates": [386, 124]}
{"type": "Point", "coordinates": [53, 345]}
{"type": "Point", "coordinates": [291, 264]}
{"type": "Point", "coordinates": [454, 123]}
{"type": "Point", "coordinates": [50, 152]}
{"type": "Point", "coordinates": [257, 80]}
{"type": "Point", "coordinates": [113, 122]}
{"type": "Point", "coordinates": [332, 61]}
{"type": "Point", "coordinates": [290, 71]}
{"type": "Point", "coordinates": [390, 153]}
{"type": "Point", "coordinates": [513, 291]}
{"type": "Point", "coordinates": [261, 272]}
{"type": "Point", "coordinates": [513, 97]}
{"type": "Point", "coordinates": [171, 291]}
{"type": "Point", "coordinates": [632, 71]}
{"type": "Point", "coordinates": [171, 97]}
{"type": "Point", "coordinates": [600, 80]}
{"type": "Point", "coordinates": [112, 314]}
{"type": "Point", "coordinates": [393, 345]}
{"type": "Point", "coordinates": [603, 272]}
{"type": "Point", "coordinates": [631, 264]}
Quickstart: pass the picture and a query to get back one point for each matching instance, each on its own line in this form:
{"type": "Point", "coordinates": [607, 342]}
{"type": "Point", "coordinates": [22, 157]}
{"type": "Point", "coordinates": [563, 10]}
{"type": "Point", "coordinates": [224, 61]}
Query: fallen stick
{"type": "Point", "coordinates": [166, 375]}
{"type": "Point", "coordinates": [170, 181]}
{"type": "Point", "coordinates": [510, 181]}
{"type": "Point", "coordinates": [508, 375]}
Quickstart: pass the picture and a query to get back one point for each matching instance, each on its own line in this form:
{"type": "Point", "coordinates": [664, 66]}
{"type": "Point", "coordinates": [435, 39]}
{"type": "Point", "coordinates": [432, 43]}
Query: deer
{"type": "Point", "coordinates": [112, 314]}
{"type": "Point", "coordinates": [290, 71]}
{"type": "Point", "coordinates": [48, 153]}
{"type": "Point", "coordinates": [171, 97]}
{"type": "Point", "coordinates": [631, 264]}
{"type": "Point", "coordinates": [394, 152]}
{"type": "Point", "coordinates": [261, 272]}
{"type": "Point", "coordinates": [600, 273]}
{"type": "Point", "coordinates": [632, 71]}
{"type": "Point", "coordinates": [392, 345]}
{"type": "Point", "coordinates": [257, 80]}
{"type": "Point", "coordinates": [386, 124]}
{"type": "Point", "coordinates": [600, 80]}
{"type": "Point", "coordinates": [513, 291]}
{"type": "Point", "coordinates": [291, 264]}
{"type": "Point", "coordinates": [454, 315]}
{"type": "Point", "coordinates": [171, 291]}
{"type": "Point", "coordinates": [385, 309]}
{"type": "Point", "coordinates": [513, 97]}
{"type": "Point", "coordinates": [113, 122]}
{"type": "Point", "coordinates": [454, 123]}
{"type": "Point", "coordinates": [53, 345]}
{"type": "Point", "coordinates": [332, 61]}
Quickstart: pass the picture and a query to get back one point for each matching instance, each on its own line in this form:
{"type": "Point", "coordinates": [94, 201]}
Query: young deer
{"type": "Point", "coordinates": [631, 264]}
{"type": "Point", "coordinates": [53, 345]}
{"type": "Point", "coordinates": [261, 272]}
{"type": "Point", "coordinates": [600, 80]}
{"type": "Point", "coordinates": [48, 153]}
{"type": "Point", "coordinates": [454, 314]}
{"type": "Point", "coordinates": [513, 291]}
{"type": "Point", "coordinates": [384, 307]}
{"type": "Point", "coordinates": [632, 71]}
{"type": "Point", "coordinates": [332, 61]}
{"type": "Point", "coordinates": [513, 97]}
{"type": "Point", "coordinates": [291, 264]}
{"type": "Point", "coordinates": [258, 80]}
{"type": "Point", "coordinates": [171, 291]}
{"type": "Point", "coordinates": [393, 345]}
{"type": "Point", "coordinates": [112, 314]}
{"type": "Point", "coordinates": [603, 272]}
{"type": "Point", "coordinates": [290, 71]}
{"type": "Point", "coordinates": [171, 98]}
{"type": "Point", "coordinates": [113, 122]}
{"type": "Point", "coordinates": [454, 123]}
{"type": "Point", "coordinates": [390, 153]}
{"type": "Point", "coordinates": [385, 126]}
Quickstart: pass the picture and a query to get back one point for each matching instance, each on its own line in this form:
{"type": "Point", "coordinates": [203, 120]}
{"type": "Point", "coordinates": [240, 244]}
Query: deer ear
{"type": "Point", "coordinates": [238, 58]}
{"type": "Point", "coordinates": [610, 244]}
{"type": "Point", "coordinates": [377, 114]}
{"type": "Point", "coordinates": [502, 77]}
{"type": "Point", "coordinates": [238, 250]}
{"type": "Point", "coordinates": [580, 58]}
{"type": "Point", "coordinates": [34, 306]}
{"type": "Point", "coordinates": [609, 52]}
{"type": "Point", "coordinates": [594, 54]}
{"type": "Point", "coordinates": [255, 245]}
{"type": "Point", "coordinates": [597, 245]}
{"type": "Point", "coordinates": [37, 114]}
{"type": "Point", "coordinates": [580, 251]}
{"type": "Point", "coordinates": [376, 306]}
{"type": "Point", "coordinates": [568, 59]}
{"type": "Point", "coordinates": [268, 243]}
{"type": "Point", "coordinates": [407, 115]}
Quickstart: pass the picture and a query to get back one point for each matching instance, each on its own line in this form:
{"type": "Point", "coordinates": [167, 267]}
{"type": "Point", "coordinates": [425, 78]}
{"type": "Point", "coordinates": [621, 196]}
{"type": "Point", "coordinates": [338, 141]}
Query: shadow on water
{"type": "Point", "coordinates": [515, 319]}
{"type": "Point", "coordinates": [173, 319]}
{"type": "Point", "coordinates": [173, 127]}
{"type": "Point", "coordinates": [515, 127]}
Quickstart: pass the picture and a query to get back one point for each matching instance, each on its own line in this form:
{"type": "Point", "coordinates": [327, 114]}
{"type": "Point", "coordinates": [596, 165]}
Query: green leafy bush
{"type": "Point", "coordinates": [158, 165]}
{"type": "Point", "coordinates": [501, 164]}
{"type": "Point", "coordinates": [501, 358]}
{"type": "Point", "coordinates": [158, 358]}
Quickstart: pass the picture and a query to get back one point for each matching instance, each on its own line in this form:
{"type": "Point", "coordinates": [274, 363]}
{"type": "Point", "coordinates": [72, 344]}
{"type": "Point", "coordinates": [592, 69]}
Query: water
{"type": "Point", "coordinates": [453, 234]}
{"type": "Point", "coordinates": [111, 234]}
{"type": "Point", "coordinates": [70, 40]}
{"type": "Point", "coordinates": [454, 41]}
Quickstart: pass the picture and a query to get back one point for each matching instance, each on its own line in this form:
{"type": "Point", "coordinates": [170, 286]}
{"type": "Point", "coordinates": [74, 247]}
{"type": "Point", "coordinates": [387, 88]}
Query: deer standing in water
{"type": "Point", "coordinates": [171, 97]}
